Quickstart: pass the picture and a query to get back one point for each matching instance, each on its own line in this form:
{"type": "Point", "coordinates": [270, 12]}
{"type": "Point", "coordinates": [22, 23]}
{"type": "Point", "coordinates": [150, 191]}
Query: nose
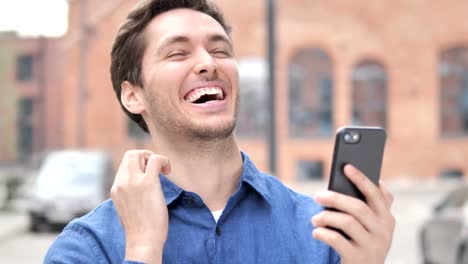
{"type": "Point", "coordinates": [206, 66]}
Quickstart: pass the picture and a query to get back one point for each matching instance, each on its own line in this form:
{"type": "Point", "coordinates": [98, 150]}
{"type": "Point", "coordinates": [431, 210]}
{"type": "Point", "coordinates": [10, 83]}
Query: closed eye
{"type": "Point", "coordinates": [222, 53]}
{"type": "Point", "coordinates": [177, 55]}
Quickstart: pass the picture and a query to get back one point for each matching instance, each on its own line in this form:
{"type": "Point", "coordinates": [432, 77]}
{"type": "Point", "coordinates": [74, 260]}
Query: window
{"type": "Point", "coordinates": [451, 173]}
{"type": "Point", "coordinates": [25, 127]}
{"type": "Point", "coordinates": [253, 114]}
{"type": "Point", "coordinates": [453, 77]}
{"type": "Point", "coordinates": [369, 82]}
{"type": "Point", "coordinates": [24, 68]}
{"type": "Point", "coordinates": [309, 170]}
{"type": "Point", "coordinates": [310, 94]}
{"type": "Point", "coordinates": [134, 131]}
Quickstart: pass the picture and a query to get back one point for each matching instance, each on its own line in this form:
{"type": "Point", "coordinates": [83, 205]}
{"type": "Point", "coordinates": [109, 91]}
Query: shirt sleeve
{"type": "Point", "coordinates": [74, 245]}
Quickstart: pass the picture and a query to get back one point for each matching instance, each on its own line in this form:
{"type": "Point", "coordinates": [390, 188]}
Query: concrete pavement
{"type": "Point", "coordinates": [11, 224]}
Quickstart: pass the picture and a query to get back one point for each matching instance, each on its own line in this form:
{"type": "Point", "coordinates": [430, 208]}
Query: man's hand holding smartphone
{"type": "Point", "coordinates": [369, 226]}
{"type": "Point", "coordinates": [360, 204]}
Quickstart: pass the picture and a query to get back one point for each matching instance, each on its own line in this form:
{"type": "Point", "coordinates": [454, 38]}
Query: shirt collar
{"type": "Point", "coordinates": [250, 175]}
{"type": "Point", "coordinates": [254, 178]}
{"type": "Point", "coordinates": [171, 190]}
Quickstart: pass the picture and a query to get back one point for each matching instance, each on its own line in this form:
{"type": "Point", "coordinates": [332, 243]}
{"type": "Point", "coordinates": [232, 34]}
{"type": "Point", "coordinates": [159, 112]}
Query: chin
{"type": "Point", "coordinates": [210, 132]}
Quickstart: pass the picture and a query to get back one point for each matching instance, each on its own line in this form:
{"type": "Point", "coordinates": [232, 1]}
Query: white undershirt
{"type": "Point", "coordinates": [217, 214]}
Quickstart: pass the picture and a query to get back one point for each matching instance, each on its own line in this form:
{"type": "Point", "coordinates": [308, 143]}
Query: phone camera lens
{"type": "Point", "coordinates": [347, 138]}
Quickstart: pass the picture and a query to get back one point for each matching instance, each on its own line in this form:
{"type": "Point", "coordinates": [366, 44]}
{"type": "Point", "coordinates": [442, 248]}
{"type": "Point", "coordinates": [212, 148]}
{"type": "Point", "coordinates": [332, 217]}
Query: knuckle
{"type": "Point", "coordinates": [387, 232]}
{"type": "Point", "coordinates": [361, 208]}
{"type": "Point", "coordinates": [348, 220]}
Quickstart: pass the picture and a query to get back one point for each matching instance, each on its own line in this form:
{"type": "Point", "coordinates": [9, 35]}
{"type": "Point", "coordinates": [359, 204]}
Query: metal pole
{"type": "Point", "coordinates": [272, 84]}
{"type": "Point", "coordinates": [82, 76]}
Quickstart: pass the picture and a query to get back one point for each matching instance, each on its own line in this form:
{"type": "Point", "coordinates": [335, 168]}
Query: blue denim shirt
{"type": "Point", "coordinates": [263, 222]}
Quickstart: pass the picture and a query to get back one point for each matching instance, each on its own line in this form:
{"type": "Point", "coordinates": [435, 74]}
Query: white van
{"type": "Point", "coordinates": [69, 184]}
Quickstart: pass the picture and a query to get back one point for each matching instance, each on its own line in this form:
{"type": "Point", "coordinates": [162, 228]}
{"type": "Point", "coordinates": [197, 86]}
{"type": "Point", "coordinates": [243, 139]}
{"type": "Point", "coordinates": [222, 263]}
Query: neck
{"type": "Point", "coordinates": [211, 169]}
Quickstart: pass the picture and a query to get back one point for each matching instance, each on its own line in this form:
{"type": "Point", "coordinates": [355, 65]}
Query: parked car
{"type": "Point", "coordinates": [69, 184]}
{"type": "Point", "coordinates": [444, 236]}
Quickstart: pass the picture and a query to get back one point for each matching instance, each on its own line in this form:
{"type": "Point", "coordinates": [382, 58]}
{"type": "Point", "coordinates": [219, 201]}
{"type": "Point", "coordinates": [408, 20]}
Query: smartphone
{"type": "Point", "coordinates": [362, 147]}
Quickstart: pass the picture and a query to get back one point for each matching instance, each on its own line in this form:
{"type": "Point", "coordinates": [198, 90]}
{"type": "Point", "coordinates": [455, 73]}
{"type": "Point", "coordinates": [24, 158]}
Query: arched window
{"type": "Point", "coordinates": [253, 109]}
{"type": "Point", "coordinates": [310, 94]}
{"type": "Point", "coordinates": [453, 77]}
{"type": "Point", "coordinates": [369, 81]}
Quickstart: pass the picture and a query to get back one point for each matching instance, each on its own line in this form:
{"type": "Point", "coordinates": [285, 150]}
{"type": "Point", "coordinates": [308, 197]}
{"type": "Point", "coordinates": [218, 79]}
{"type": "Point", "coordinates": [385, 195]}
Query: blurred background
{"type": "Point", "coordinates": [307, 68]}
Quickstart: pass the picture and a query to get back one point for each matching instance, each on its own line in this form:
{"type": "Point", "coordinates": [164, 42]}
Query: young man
{"type": "Point", "coordinates": [195, 198]}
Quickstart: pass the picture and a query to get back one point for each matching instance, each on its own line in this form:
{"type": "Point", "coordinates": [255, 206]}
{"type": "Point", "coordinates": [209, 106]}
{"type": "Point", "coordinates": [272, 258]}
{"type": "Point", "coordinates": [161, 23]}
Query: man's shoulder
{"type": "Point", "coordinates": [102, 220]}
{"type": "Point", "coordinates": [96, 235]}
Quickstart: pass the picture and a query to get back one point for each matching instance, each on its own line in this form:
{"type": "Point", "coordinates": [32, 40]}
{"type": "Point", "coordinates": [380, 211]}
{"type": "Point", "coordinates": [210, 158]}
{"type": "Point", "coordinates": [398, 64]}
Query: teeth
{"type": "Point", "coordinates": [199, 93]}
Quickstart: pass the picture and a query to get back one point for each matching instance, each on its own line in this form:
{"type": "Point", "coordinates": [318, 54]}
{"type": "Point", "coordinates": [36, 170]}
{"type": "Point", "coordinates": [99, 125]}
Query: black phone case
{"type": "Point", "coordinates": [366, 155]}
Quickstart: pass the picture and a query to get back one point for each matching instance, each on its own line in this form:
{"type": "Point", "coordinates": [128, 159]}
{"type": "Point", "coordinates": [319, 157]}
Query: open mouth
{"type": "Point", "coordinates": [205, 95]}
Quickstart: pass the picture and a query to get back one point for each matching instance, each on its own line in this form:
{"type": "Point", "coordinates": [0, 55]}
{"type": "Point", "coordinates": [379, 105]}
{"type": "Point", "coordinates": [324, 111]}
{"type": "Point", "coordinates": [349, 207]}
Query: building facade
{"type": "Point", "coordinates": [402, 65]}
{"type": "Point", "coordinates": [31, 103]}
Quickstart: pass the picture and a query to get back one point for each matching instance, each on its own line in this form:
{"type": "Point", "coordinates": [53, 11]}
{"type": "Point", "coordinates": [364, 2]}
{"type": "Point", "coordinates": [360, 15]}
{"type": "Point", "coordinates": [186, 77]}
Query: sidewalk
{"type": "Point", "coordinates": [12, 223]}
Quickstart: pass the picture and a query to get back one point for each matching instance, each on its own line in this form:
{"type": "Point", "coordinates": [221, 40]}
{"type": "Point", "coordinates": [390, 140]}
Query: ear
{"type": "Point", "coordinates": [131, 98]}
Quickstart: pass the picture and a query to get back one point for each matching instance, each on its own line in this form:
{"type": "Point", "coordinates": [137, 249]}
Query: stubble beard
{"type": "Point", "coordinates": [197, 132]}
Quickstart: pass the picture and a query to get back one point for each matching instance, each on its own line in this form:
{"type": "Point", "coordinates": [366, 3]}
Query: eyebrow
{"type": "Point", "coordinates": [184, 39]}
{"type": "Point", "coordinates": [169, 41]}
{"type": "Point", "coordinates": [220, 38]}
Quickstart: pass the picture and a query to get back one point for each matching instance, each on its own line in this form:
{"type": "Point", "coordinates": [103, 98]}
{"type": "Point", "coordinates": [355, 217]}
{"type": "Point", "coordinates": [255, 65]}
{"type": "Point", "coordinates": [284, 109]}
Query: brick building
{"type": "Point", "coordinates": [399, 64]}
{"type": "Point", "coordinates": [30, 77]}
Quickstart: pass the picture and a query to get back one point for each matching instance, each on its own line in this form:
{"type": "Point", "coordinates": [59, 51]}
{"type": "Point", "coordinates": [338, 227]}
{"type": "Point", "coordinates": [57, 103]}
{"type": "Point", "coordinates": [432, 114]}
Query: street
{"type": "Point", "coordinates": [412, 205]}
{"type": "Point", "coordinates": [25, 248]}
{"type": "Point", "coordinates": [17, 245]}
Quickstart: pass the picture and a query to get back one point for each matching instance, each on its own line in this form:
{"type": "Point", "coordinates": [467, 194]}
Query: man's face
{"type": "Point", "coordinates": [190, 77]}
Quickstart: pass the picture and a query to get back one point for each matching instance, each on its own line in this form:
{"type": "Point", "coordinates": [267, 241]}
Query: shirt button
{"type": "Point", "coordinates": [218, 231]}
{"type": "Point", "coordinates": [189, 201]}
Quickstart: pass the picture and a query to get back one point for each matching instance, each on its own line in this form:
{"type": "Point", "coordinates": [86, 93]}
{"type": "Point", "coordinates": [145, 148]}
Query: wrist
{"type": "Point", "coordinates": [146, 254]}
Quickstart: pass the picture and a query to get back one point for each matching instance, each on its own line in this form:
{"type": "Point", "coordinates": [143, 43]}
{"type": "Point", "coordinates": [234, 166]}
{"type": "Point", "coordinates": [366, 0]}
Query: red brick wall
{"type": "Point", "coordinates": [44, 89]}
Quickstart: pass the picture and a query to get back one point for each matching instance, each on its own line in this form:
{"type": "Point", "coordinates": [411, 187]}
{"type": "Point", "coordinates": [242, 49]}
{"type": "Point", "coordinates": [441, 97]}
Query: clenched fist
{"type": "Point", "coordinates": [141, 206]}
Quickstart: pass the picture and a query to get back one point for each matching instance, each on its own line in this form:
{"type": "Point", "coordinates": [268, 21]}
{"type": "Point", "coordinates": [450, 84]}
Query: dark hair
{"type": "Point", "coordinates": [129, 44]}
